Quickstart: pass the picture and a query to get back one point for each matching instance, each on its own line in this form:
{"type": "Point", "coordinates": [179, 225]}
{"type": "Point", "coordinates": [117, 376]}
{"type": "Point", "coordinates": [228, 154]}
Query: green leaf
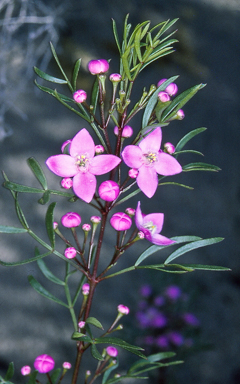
{"type": "Point", "coordinates": [155, 248]}
{"type": "Point", "coordinates": [94, 321]}
{"type": "Point", "coordinates": [21, 188]}
{"type": "Point", "coordinates": [121, 343]}
{"type": "Point", "coordinates": [49, 223]}
{"type": "Point", "coordinates": [6, 229]}
{"type": "Point", "coordinates": [59, 65]}
{"type": "Point", "coordinates": [47, 77]}
{"type": "Point", "coordinates": [137, 41]}
{"type": "Point", "coordinates": [125, 63]}
{"type": "Point", "coordinates": [109, 371]}
{"type": "Point", "coordinates": [189, 247]}
{"type": "Point", "coordinates": [95, 353]}
{"type": "Point", "coordinates": [180, 101]}
{"type": "Point", "coordinates": [81, 337]}
{"type": "Point", "coordinates": [188, 137]}
{"type": "Point", "coordinates": [115, 33]}
{"type": "Point", "coordinates": [10, 372]}
{"type": "Point", "coordinates": [75, 74]}
{"type": "Point", "coordinates": [55, 375]}
{"type": "Point", "coordinates": [45, 198]}
{"type": "Point", "coordinates": [200, 167]}
{"type": "Point", "coordinates": [52, 93]}
{"type": "Point", "coordinates": [47, 273]}
{"type": "Point", "coordinates": [94, 96]}
{"type": "Point", "coordinates": [33, 377]}
{"type": "Point", "coordinates": [42, 291]}
{"type": "Point", "coordinates": [37, 171]}
{"type": "Point", "coordinates": [206, 267]}
{"type": "Point", "coordinates": [26, 261]}
{"type": "Point", "coordinates": [150, 360]}
{"type": "Point", "coordinates": [19, 212]}
{"type": "Point", "coordinates": [178, 184]}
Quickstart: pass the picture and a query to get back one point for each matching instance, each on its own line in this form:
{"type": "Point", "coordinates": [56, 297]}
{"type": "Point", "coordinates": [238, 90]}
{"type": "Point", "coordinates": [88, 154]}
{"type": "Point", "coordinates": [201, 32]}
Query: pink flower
{"type": "Point", "coordinates": [150, 161]}
{"type": "Point", "coordinates": [108, 190]}
{"type": "Point", "coordinates": [26, 370]}
{"type": "Point", "coordinates": [123, 309]}
{"type": "Point", "coordinates": [120, 221]}
{"type": "Point", "coordinates": [82, 165]}
{"type": "Point", "coordinates": [44, 363]}
{"type": "Point", "coordinates": [80, 96]}
{"type": "Point", "coordinates": [98, 66]}
{"type": "Point", "coordinates": [71, 220]}
{"type": "Point", "coordinates": [112, 351]}
{"type": "Point", "coordinates": [70, 252]}
{"type": "Point", "coordinates": [151, 225]}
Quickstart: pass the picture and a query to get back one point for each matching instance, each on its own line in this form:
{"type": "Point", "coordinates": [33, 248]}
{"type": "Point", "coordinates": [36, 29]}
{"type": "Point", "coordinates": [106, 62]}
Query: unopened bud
{"type": "Point", "coordinates": [108, 190]}
{"type": "Point", "coordinates": [67, 182]}
{"type": "Point", "coordinates": [85, 289]}
{"type": "Point", "coordinates": [80, 96]}
{"type": "Point", "coordinates": [161, 82]}
{"type": "Point", "coordinates": [169, 148]}
{"type": "Point", "coordinates": [67, 365]}
{"type": "Point", "coordinates": [171, 89]}
{"type": "Point", "coordinates": [70, 252]}
{"type": "Point", "coordinates": [120, 221]}
{"type": "Point", "coordinates": [163, 97]}
{"type": "Point", "coordinates": [95, 219]}
{"type": "Point", "coordinates": [86, 227]}
{"type": "Point", "coordinates": [71, 220]}
{"type": "Point", "coordinates": [99, 149]}
{"type": "Point", "coordinates": [115, 77]}
{"type": "Point", "coordinates": [81, 324]}
{"type": "Point", "coordinates": [44, 363]}
{"type": "Point", "coordinates": [130, 211]}
{"type": "Point", "coordinates": [123, 309]}
{"type": "Point", "coordinates": [98, 66]}
{"type": "Point", "coordinates": [180, 114]}
{"type": "Point", "coordinates": [112, 351]}
{"type": "Point", "coordinates": [55, 225]}
{"type": "Point", "coordinates": [133, 173]}
{"type": "Point", "coordinates": [140, 235]}
{"type": "Point", "coordinates": [26, 370]}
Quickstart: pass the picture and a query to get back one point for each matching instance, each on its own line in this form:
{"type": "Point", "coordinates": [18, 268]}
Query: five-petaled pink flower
{"type": "Point", "coordinates": [82, 165]}
{"type": "Point", "coordinates": [150, 160]}
{"type": "Point", "coordinates": [151, 225]}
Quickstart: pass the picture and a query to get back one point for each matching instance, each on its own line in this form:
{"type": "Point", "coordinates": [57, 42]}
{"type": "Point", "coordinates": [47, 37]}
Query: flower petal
{"type": "Point", "coordinates": [161, 240]}
{"type": "Point", "coordinates": [152, 142]}
{"type": "Point", "coordinates": [132, 156]}
{"type": "Point", "coordinates": [82, 144]}
{"type": "Point", "coordinates": [156, 219]}
{"type": "Point", "coordinates": [139, 217]}
{"type": "Point", "coordinates": [147, 180]}
{"type": "Point", "coordinates": [101, 164]}
{"type": "Point", "coordinates": [167, 165]}
{"type": "Point", "coordinates": [62, 165]}
{"type": "Point", "coordinates": [84, 186]}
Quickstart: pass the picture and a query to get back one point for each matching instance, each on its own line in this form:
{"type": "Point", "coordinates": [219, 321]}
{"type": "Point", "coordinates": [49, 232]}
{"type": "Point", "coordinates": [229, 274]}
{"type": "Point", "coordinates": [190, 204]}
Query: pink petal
{"type": "Point", "coordinates": [147, 180]}
{"type": "Point", "coordinates": [132, 156]}
{"type": "Point", "coordinates": [139, 217]}
{"type": "Point", "coordinates": [101, 164]}
{"type": "Point", "coordinates": [167, 165]}
{"type": "Point", "coordinates": [82, 144]}
{"type": "Point", "coordinates": [84, 186]}
{"type": "Point", "coordinates": [161, 240]}
{"type": "Point", "coordinates": [152, 142]}
{"type": "Point", "coordinates": [156, 219]}
{"type": "Point", "coordinates": [62, 165]}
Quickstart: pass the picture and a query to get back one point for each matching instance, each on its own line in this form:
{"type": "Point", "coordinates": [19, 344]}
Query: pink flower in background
{"type": "Point", "coordinates": [44, 363]}
{"type": "Point", "coordinates": [151, 225]}
{"type": "Point", "coordinates": [82, 165]}
{"type": "Point", "coordinates": [149, 160]}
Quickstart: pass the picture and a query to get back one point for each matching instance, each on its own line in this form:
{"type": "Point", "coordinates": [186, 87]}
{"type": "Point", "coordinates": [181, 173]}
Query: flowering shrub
{"type": "Point", "coordinates": [81, 161]}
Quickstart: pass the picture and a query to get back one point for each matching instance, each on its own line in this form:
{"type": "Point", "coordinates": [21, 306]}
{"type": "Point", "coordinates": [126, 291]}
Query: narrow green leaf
{"type": "Point", "coordinates": [63, 102]}
{"type": "Point", "coordinates": [49, 223]}
{"type": "Point", "coordinates": [206, 267]}
{"type": "Point", "coordinates": [52, 92]}
{"type": "Point", "coordinates": [75, 74]}
{"type": "Point", "coordinates": [164, 52]}
{"type": "Point", "coordinates": [155, 248]}
{"type": "Point", "coordinates": [189, 247]}
{"type": "Point", "coordinates": [178, 184]}
{"type": "Point", "coordinates": [121, 343]}
{"type": "Point", "coordinates": [188, 151]}
{"type": "Point", "coordinates": [137, 42]}
{"type": "Point", "coordinates": [94, 321]}
{"type": "Point", "coordinates": [33, 377]}
{"type": "Point", "coordinates": [10, 372]}
{"type": "Point", "coordinates": [115, 33]}
{"type": "Point", "coordinates": [125, 64]}
{"type": "Point", "coordinates": [45, 198]}
{"type": "Point", "coordinates": [81, 337]}
{"type": "Point", "coordinates": [47, 77]}
{"type": "Point", "coordinates": [55, 375]}
{"type": "Point", "coordinates": [7, 229]}
{"type": "Point", "coordinates": [95, 353]}
{"type": "Point", "coordinates": [160, 48]}
{"type": "Point", "coordinates": [42, 291]}
{"type": "Point", "coordinates": [59, 65]}
{"type": "Point", "coordinates": [150, 360]}
{"type": "Point", "coordinates": [37, 171]}
{"type": "Point", "coordinates": [48, 274]}
{"type": "Point", "coordinates": [168, 24]}
{"type": "Point", "coordinates": [19, 212]}
{"type": "Point", "coordinates": [26, 261]}
{"type": "Point", "coordinates": [188, 137]}
{"type": "Point", "coordinates": [200, 167]}
{"type": "Point", "coordinates": [21, 188]}
{"type": "Point", "coordinates": [109, 371]}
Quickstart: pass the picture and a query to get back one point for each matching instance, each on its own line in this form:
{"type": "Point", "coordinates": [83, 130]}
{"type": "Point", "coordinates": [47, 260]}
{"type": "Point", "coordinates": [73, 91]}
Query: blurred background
{"type": "Point", "coordinates": [33, 124]}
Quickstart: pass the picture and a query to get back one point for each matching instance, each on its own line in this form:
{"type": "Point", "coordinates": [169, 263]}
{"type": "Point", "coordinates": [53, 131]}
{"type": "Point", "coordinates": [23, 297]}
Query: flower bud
{"type": "Point", "coordinates": [65, 144]}
{"type": "Point", "coordinates": [44, 363]}
{"type": "Point", "coordinates": [115, 77]}
{"type": "Point", "coordinates": [169, 148]}
{"type": "Point", "coordinates": [109, 190]}
{"type": "Point", "coordinates": [171, 89]}
{"type": "Point", "coordinates": [140, 235]}
{"type": "Point", "coordinates": [25, 370]}
{"type": "Point", "coordinates": [55, 225]}
{"type": "Point", "coordinates": [85, 289]}
{"type": "Point", "coordinates": [130, 211]}
{"type": "Point", "coordinates": [180, 114]}
{"type": "Point", "coordinates": [163, 97]}
{"type": "Point", "coordinates": [86, 227]}
{"type": "Point", "coordinates": [71, 220]}
{"type": "Point", "coordinates": [133, 173]}
{"type": "Point", "coordinates": [98, 66]}
{"type": "Point", "coordinates": [70, 252]}
{"type": "Point", "coordinates": [123, 309]}
{"type": "Point", "coordinates": [67, 365]}
{"type": "Point", "coordinates": [67, 182]}
{"type": "Point", "coordinates": [81, 324]}
{"type": "Point", "coordinates": [120, 221]}
{"type": "Point", "coordinates": [127, 131]}
{"type": "Point", "coordinates": [112, 351]}
{"type": "Point", "coordinates": [80, 96]}
{"type": "Point", "coordinates": [161, 82]}
{"type": "Point", "coordinates": [99, 149]}
{"type": "Point", "coordinates": [95, 219]}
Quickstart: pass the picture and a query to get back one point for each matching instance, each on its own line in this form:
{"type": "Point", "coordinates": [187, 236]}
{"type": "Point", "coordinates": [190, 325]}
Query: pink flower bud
{"type": "Point", "coordinates": [99, 149]}
{"type": "Point", "coordinates": [67, 365]}
{"type": "Point", "coordinates": [67, 182]}
{"type": "Point", "coordinates": [26, 370]}
{"type": "Point", "coordinates": [120, 221]}
{"type": "Point", "coordinates": [133, 173]}
{"type": "Point", "coordinates": [44, 363]}
{"type": "Point", "coordinates": [109, 190]}
{"type": "Point", "coordinates": [115, 130]}
{"type": "Point", "coordinates": [171, 89]}
{"type": "Point", "coordinates": [115, 77]}
{"type": "Point", "coordinates": [71, 220]}
{"type": "Point", "coordinates": [112, 351]}
{"type": "Point", "coordinates": [180, 114]}
{"type": "Point", "coordinates": [169, 148]}
{"type": "Point", "coordinates": [98, 66]}
{"type": "Point", "coordinates": [70, 252]}
{"type": "Point", "coordinates": [55, 225]}
{"type": "Point", "coordinates": [163, 97]}
{"type": "Point", "coordinates": [80, 96]}
{"type": "Point", "coordinates": [95, 219]}
{"type": "Point", "coordinates": [65, 144]}
{"type": "Point", "coordinates": [160, 82]}
{"type": "Point", "coordinates": [85, 289]}
{"type": "Point", "coordinates": [86, 227]}
{"type": "Point", "coordinates": [123, 309]}
{"type": "Point", "coordinates": [81, 324]}
{"type": "Point", "coordinates": [130, 211]}
{"type": "Point", "coordinates": [140, 235]}
{"type": "Point", "coordinates": [127, 131]}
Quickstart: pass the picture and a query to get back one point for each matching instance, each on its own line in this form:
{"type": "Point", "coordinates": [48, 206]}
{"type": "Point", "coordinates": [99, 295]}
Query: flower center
{"type": "Point", "coordinates": [150, 227]}
{"type": "Point", "coordinates": [150, 158]}
{"type": "Point", "coordinates": [82, 162]}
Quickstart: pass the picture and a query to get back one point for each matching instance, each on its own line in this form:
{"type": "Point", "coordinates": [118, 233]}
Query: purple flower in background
{"type": "Point", "coordinates": [159, 321]}
{"type": "Point", "coordinates": [162, 341]}
{"type": "Point", "coordinates": [173, 292]}
{"type": "Point", "coordinates": [191, 319]}
{"type": "Point", "coordinates": [149, 160]}
{"type": "Point", "coordinates": [146, 290]}
{"type": "Point", "coordinates": [176, 338]}
{"type": "Point", "coordinates": [151, 225]}
{"type": "Point", "coordinates": [159, 301]}
{"type": "Point", "coordinates": [82, 165]}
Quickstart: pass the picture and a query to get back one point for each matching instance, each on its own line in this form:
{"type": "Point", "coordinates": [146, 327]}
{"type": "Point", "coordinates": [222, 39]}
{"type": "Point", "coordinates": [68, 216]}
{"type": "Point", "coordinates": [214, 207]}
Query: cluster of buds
{"type": "Point", "coordinates": [44, 364]}
{"type": "Point", "coordinates": [165, 97]}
